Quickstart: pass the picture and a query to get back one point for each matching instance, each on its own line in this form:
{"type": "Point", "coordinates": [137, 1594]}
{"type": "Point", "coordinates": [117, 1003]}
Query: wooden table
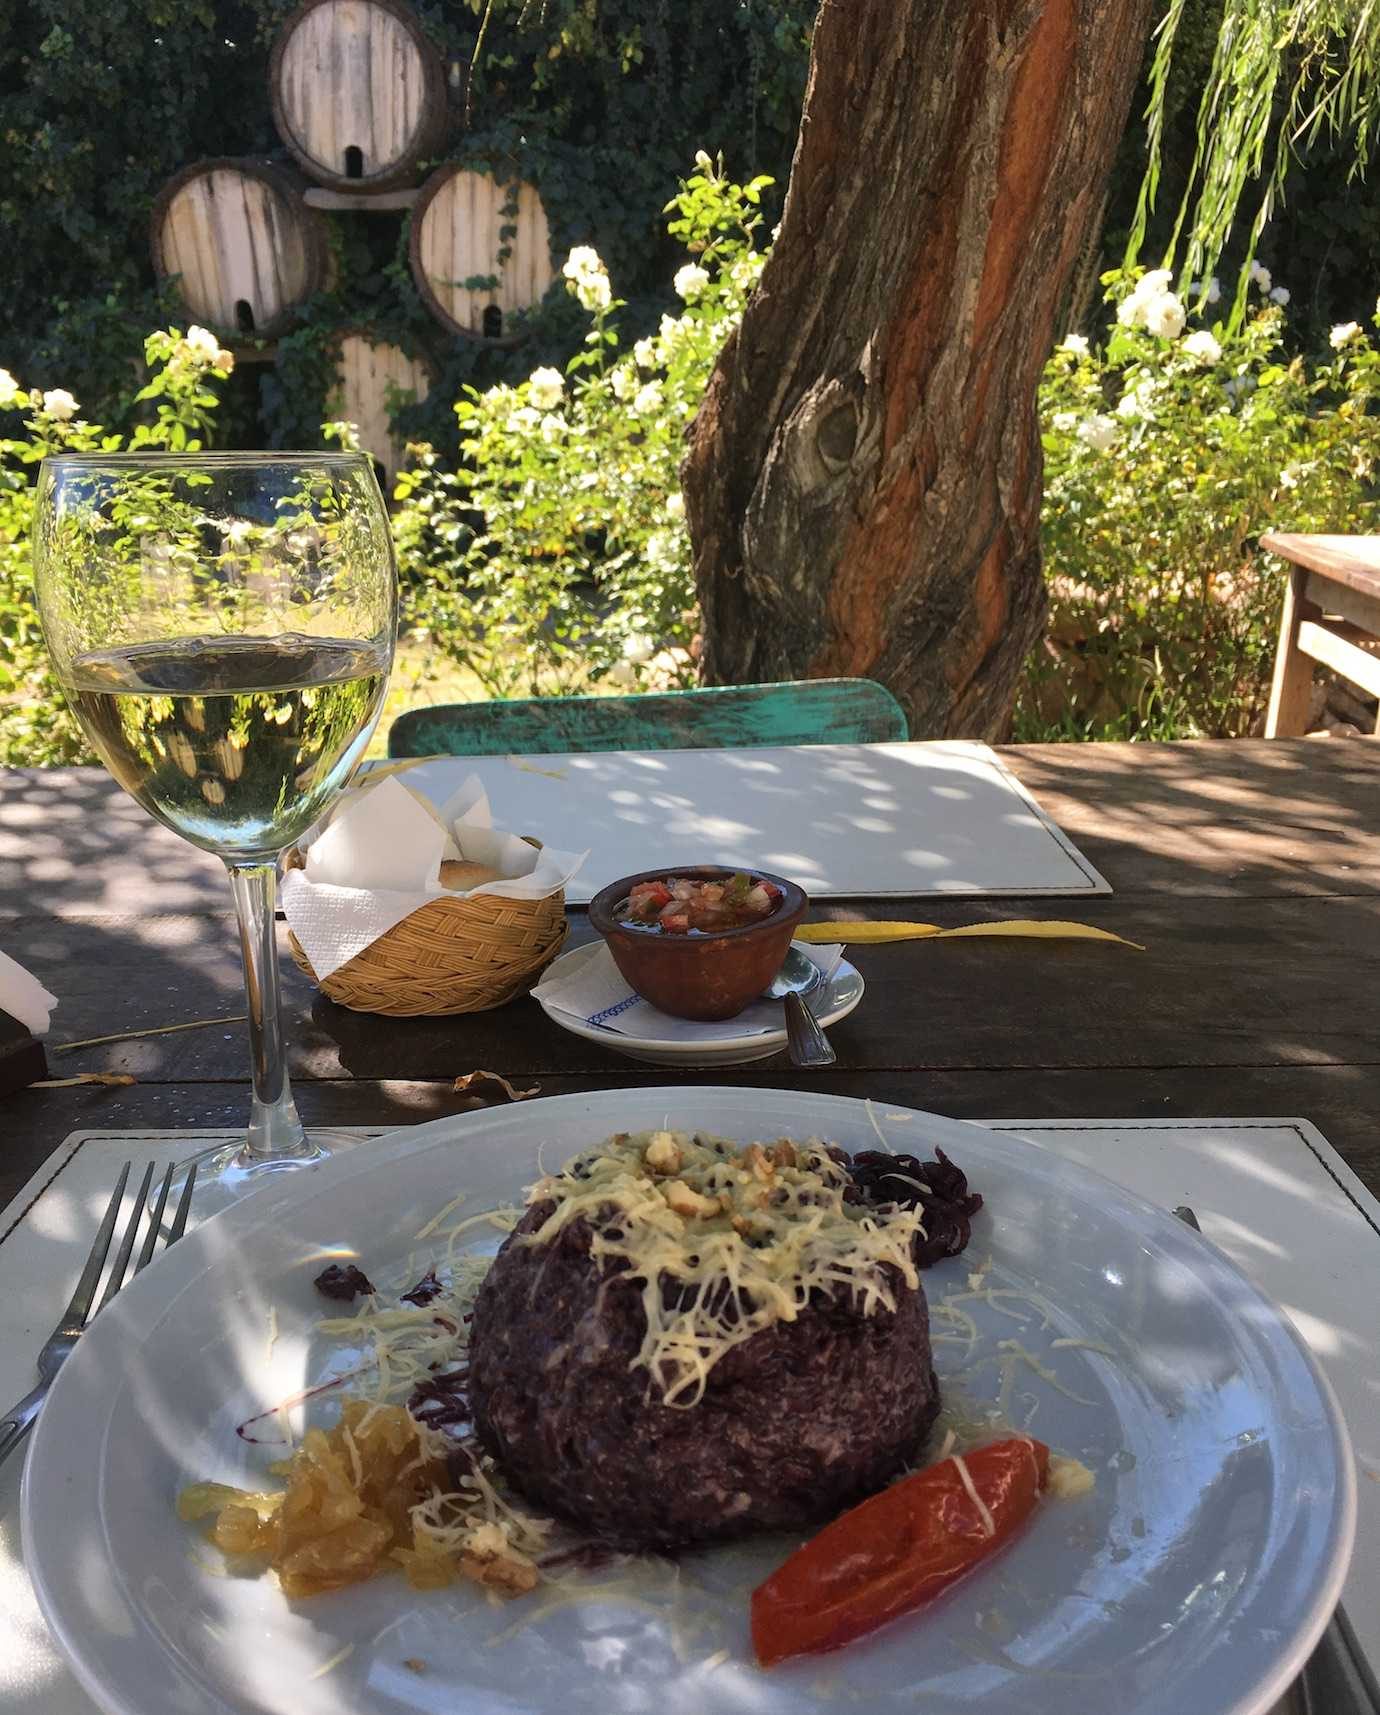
{"type": "Point", "coordinates": [1331, 615]}
{"type": "Point", "coordinates": [1250, 870]}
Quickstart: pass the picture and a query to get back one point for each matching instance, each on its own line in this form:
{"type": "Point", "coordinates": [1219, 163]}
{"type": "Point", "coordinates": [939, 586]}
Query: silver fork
{"type": "Point", "coordinates": [18, 1422]}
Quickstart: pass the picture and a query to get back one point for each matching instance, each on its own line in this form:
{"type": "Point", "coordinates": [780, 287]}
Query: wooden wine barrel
{"type": "Point", "coordinates": [457, 236]}
{"type": "Point", "coordinates": [244, 247]}
{"type": "Point", "coordinates": [358, 92]}
{"type": "Point", "coordinates": [368, 370]}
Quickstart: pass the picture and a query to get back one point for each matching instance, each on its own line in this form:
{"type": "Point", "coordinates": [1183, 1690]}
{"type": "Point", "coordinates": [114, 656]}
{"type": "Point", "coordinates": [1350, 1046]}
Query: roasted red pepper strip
{"type": "Point", "coordinates": [896, 1550]}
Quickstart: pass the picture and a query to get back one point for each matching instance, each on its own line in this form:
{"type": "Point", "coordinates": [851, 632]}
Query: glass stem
{"type": "Point", "coordinates": [275, 1132]}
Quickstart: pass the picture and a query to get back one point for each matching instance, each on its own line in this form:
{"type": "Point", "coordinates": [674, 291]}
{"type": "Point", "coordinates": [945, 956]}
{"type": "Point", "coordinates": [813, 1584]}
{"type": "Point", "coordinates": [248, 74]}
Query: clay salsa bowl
{"type": "Point", "coordinates": [708, 975]}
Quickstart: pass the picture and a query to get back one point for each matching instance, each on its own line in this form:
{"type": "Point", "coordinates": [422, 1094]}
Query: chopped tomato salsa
{"type": "Point", "coordinates": [898, 1549]}
{"type": "Point", "coordinates": [677, 906]}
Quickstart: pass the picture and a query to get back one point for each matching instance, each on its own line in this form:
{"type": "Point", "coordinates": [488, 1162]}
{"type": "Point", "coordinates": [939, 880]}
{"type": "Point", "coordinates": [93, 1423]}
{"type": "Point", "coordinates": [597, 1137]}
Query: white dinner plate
{"type": "Point", "coordinates": [1192, 1581]}
{"type": "Point", "coordinates": [730, 1046]}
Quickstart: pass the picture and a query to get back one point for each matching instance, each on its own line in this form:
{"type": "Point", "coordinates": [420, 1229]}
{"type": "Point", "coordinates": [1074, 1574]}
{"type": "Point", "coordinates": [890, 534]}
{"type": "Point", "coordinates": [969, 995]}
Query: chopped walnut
{"type": "Point", "coordinates": [783, 1154]}
{"type": "Point", "coordinates": [684, 1201]}
{"type": "Point", "coordinates": [662, 1154]}
{"type": "Point", "coordinates": [758, 1160]}
{"type": "Point", "coordinates": [487, 1540]}
{"type": "Point", "coordinates": [746, 1227]}
{"type": "Point", "coordinates": [512, 1574]}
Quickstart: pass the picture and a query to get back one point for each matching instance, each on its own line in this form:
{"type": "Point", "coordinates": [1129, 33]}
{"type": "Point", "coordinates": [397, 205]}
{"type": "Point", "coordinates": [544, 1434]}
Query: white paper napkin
{"type": "Point", "coordinates": [24, 997]}
{"type": "Point", "coordinates": [595, 992]}
{"type": "Point", "coordinates": [379, 859]}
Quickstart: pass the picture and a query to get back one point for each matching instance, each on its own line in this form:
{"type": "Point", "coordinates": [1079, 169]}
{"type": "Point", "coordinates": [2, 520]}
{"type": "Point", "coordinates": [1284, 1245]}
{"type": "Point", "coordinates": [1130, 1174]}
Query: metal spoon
{"type": "Point", "coordinates": [805, 1040]}
{"type": "Point", "coordinates": [799, 975]}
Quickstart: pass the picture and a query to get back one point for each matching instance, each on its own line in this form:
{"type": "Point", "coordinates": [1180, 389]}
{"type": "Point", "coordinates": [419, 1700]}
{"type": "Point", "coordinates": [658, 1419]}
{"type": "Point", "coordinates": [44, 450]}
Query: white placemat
{"type": "Point", "coordinates": [1270, 1192]}
{"type": "Point", "coordinates": [841, 819]}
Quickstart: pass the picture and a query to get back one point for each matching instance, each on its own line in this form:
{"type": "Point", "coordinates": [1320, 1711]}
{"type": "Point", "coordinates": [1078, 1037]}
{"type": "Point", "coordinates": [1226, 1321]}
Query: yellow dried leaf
{"type": "Point", "coordinates": [1050, 930]}
{"type": "Point", "coordinates": [118, 1079]}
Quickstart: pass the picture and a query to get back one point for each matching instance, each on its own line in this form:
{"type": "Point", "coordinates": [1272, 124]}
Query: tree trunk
{"type": "Point", "coordinates": [863, 481]}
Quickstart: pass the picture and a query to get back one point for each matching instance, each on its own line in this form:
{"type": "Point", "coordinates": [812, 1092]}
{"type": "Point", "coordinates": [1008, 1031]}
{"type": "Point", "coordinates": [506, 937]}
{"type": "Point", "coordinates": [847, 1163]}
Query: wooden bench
{"type": "Point", "coordinates": [1331, 615]}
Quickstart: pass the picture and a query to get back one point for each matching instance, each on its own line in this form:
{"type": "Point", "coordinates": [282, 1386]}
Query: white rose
{"type": "Point", "coordinates": [638, 649]}
{"type": "Point", "coordinates": [59, 404]}
{"type": "Point", "coordinates": [645, 353]}
{"type": "Point", "coordinates": [1203, 346]}
{"type": "Point", "coordinates": [1164, 316]}
{"type": "Point", "coordinates": [9, 390]}
{"type": "Point", "coordinates": [1075, 343]}
{"type": "Point", "coordinates": [1130, 406]}
{"type": "Point", "coordinates": [1287, 479]}
{"type": "Point", "coordinates": [670, 329]}
{"type": "Point", "coordinates": [552, 428]}
{"type": "Point", "coordinates": [623, 381]}
{"type": "Point", "coordinates": [648, 399]}
{"type": "Point", "coordinates": [1130, 312]}
{"type": "Point", "coordinates": [594, 292]}
{"type": "Point", "coordinates": [202, 343]}
{"type": "Point", "coordinates": [1260, 276]}
{"type": "Point", "coordinates": [690, 281]}
{"type": "Point", "coordinates": [523, 420]}
{"type": "Point", "coordinates": [582, 261]}
{"type": "Point", "coordinates": [1064, 422]}
{"type": "Point", "coordinates": [546, 388]}
{"type": "Point", "coordinates": [1098, 432]}
{"type": "Point", "coordinates": [1280, 295]}
{"type": "Point", "coordinates": [675, 505]}
{"type": "Point", "coordinates": [1341, 335]}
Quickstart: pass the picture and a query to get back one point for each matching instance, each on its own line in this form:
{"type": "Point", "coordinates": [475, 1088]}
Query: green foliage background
{"type": "Point", "coordinates": [600, 102]}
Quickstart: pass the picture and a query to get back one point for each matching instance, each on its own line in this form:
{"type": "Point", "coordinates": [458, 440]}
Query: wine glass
{"type": "Point", "coordinates": [223, 625]}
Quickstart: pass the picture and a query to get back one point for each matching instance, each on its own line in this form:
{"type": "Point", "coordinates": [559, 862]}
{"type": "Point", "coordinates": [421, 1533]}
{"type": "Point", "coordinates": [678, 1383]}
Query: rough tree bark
{"type": "Point", "coordinates": [863, 480]}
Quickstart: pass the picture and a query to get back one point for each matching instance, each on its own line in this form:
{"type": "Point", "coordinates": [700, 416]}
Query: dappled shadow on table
{"type": "Point", "coordinates": [1279, 816]}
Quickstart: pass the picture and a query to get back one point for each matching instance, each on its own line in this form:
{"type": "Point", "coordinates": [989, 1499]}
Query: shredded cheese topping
{"type": "Point", "coordinates": [984, 1512]}
{"type": "Point", "coordinates": [725, 1241]}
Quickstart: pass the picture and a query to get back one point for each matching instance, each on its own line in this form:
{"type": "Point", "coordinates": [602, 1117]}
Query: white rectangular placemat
{"type": "Point", "coordinates": [1270, 1192]}
{"type": "Point", "coordinates": [841, 819]}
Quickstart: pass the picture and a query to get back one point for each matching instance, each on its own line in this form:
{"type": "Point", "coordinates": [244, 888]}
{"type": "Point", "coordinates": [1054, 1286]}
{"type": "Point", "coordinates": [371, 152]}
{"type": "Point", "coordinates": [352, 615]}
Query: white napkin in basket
{"type": "Point", "coordinates": [24, 997]}
{"type": "Point", "coordinates": [595, 992]}
{"type": "Point", "coordinates": [379, 859]}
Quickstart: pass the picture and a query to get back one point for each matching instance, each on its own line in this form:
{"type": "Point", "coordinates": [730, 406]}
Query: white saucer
{"type": "Point", "coordinates": [840, 994]}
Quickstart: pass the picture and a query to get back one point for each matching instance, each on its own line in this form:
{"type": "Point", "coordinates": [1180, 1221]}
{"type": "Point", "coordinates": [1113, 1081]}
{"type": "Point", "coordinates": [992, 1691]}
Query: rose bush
{"type": "Point", "coordinates": [1167, 453]}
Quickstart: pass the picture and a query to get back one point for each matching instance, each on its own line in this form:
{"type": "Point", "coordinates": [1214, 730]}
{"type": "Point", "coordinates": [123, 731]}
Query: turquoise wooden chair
{"type": "Point", "coordinates": [802, 711]}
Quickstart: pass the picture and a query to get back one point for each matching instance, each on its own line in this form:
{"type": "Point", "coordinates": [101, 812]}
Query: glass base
{"type": "Point", "coordinates": [229, 1173]}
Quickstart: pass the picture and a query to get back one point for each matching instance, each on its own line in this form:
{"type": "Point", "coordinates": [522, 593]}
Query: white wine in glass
{"type": "Point", "coordinates": [223, 625]}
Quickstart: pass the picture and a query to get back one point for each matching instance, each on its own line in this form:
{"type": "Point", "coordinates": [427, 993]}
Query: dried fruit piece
{"type": "Point", "coordinates": [345, 1282]}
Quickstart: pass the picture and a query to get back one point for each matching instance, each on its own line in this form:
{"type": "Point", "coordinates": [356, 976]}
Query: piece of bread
{"type": "Point", "coordinates": [459, 875]}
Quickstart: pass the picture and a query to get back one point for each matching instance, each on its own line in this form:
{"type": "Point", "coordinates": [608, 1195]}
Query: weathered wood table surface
{"type": "Point", "coordinates": [1249, 870]}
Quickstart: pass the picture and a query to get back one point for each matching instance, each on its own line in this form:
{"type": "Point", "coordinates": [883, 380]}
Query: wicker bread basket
{"type": "Point", "coordinates": [453, 955]}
